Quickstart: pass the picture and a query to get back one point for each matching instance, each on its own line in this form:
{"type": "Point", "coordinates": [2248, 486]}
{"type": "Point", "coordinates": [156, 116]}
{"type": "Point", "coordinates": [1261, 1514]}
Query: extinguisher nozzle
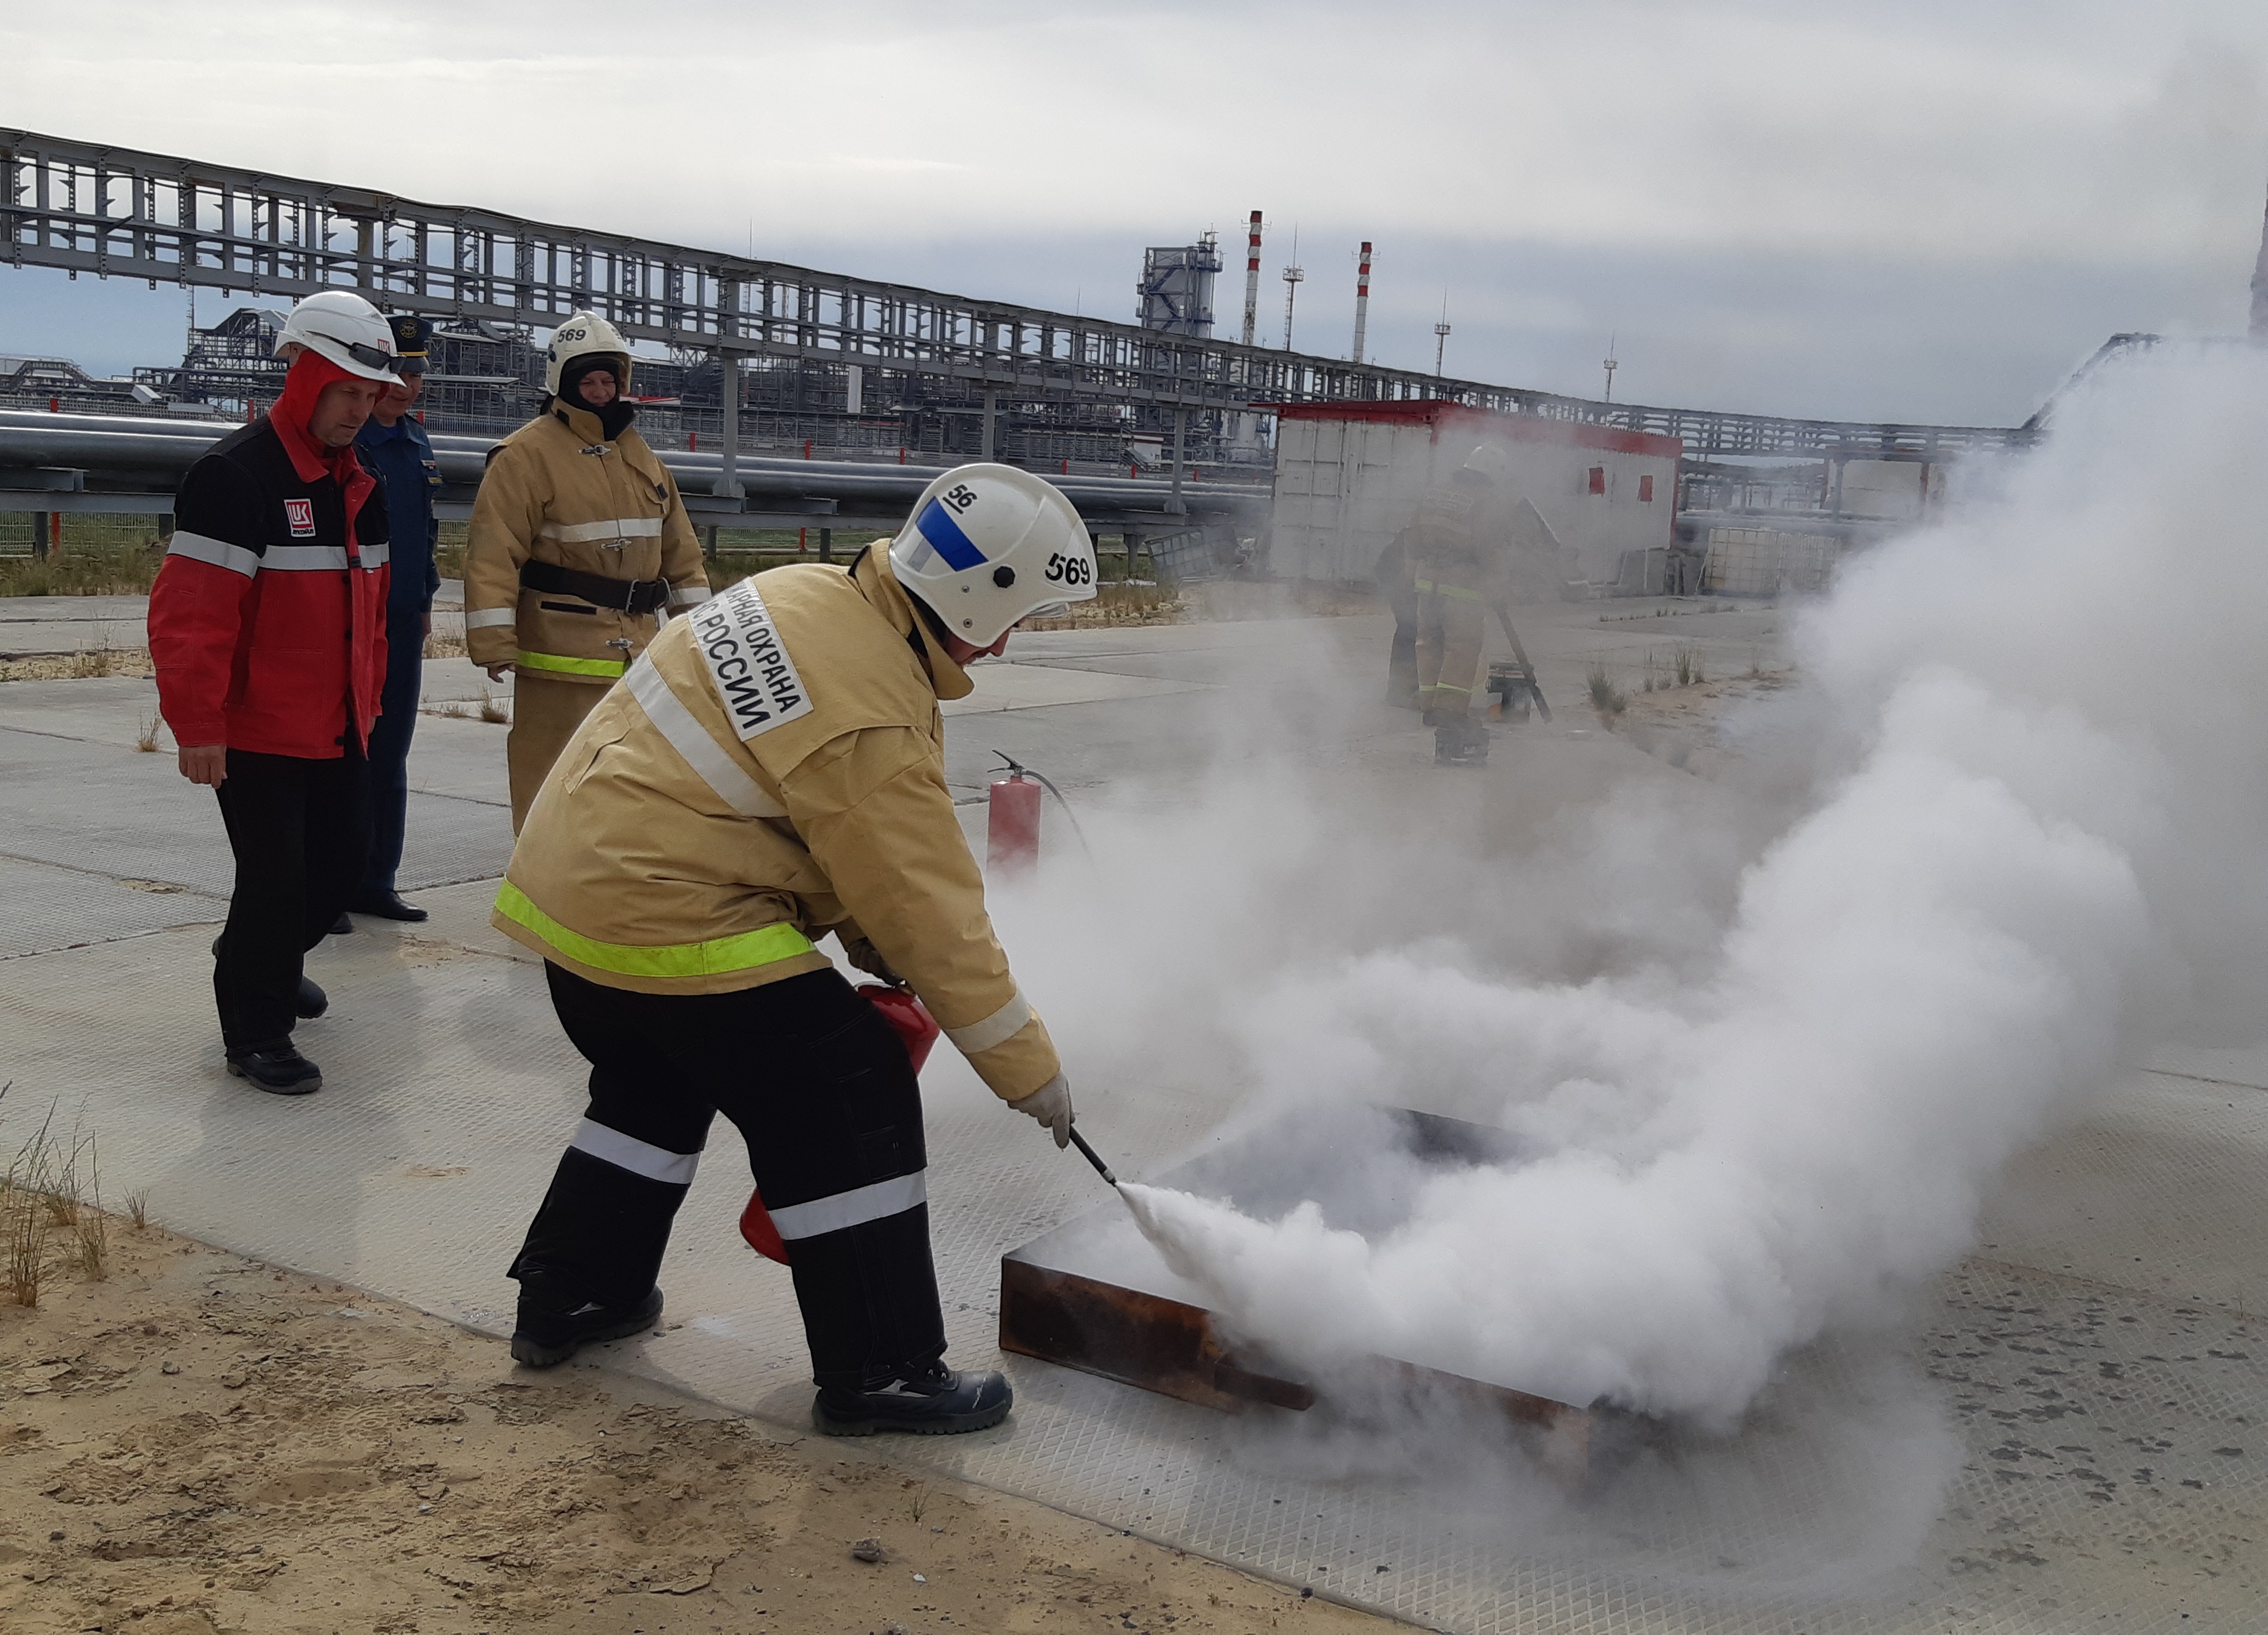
{"type": "Point", "coordinates": [1092, 1156]}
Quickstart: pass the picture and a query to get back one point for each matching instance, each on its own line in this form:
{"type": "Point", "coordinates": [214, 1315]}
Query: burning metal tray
{"type": "Point", "coordinates": [1094, 1295]}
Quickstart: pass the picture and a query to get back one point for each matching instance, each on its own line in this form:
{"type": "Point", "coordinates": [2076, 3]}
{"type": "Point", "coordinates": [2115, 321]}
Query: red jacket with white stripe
{"type": "Point", "coordinates": [267, 620]}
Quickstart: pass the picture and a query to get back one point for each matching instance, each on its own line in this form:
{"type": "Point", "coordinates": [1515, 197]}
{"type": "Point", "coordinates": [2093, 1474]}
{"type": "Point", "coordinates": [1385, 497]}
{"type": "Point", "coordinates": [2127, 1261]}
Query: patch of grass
{"type": "Point", "coordinates": [51, 1214]}
{"type": "Point", "coordinates": [106, 569]}
{"type": "Point", "coordinates": [1688, 666]}
{"type": "Point", "coordinates": [491, 711]}
{"type": "Point", "coordinates": [1607, 699]}
{"type": "Point", "coordinates": [146, 741]}
{"type": "Point", "coordinates": [137, 1209]}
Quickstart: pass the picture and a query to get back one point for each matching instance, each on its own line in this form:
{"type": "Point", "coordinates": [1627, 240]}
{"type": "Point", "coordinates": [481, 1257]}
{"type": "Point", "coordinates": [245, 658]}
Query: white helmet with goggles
{"type": "Point", "coordinates": [988, 545]}
{"type": "Point", "coordinates": [345, 329]}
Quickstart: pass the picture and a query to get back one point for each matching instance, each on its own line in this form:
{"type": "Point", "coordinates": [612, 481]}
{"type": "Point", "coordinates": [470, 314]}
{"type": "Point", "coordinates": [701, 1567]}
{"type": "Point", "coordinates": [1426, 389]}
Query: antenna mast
{"type": "Point", "coordinates": [1292, 277]}
{"type": "Point", "coordinates": [1611, 366]}
{"type": "Point", "coordinates": [1441, 336]}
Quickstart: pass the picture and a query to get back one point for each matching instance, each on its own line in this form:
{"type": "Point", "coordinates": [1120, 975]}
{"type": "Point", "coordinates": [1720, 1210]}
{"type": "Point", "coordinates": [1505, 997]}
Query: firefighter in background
{"type": "Point", "coordinates": [770, 770]}
{"type": "Point", "coordinates": [579, 540]}
{"type": "Point", "coordinates": [1459, 571]}
{"type": "Point", "coordinates": [1396, 587]}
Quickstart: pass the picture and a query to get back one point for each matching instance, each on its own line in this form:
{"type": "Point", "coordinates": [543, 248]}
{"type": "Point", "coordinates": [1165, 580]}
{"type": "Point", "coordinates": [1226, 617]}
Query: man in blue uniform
{"type": "Point", "coordinates": [394, 446]}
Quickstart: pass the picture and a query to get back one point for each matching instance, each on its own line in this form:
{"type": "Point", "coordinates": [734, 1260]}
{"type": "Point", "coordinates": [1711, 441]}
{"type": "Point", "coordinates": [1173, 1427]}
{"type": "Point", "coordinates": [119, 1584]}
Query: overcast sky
{"type": "Point", "coordinates": [1929, 211]}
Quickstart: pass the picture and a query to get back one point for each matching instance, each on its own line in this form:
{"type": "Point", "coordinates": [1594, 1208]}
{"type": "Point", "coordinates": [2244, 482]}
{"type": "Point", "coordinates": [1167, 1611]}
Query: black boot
{"type": "Point", "coordinates": [387, 905]}
{"type": "Point", "coordinates": [1460, 741]}
{"type": "Point", "coordinates": [311, 1001]}
{"type": "Point", "coordinates": [933, 1401]}
{"type": "Point", "coordinates": [343, 926]}
{"type": "Point", "coordinates": [544, 1336]}
{"type": "Point", "coordinates": [276, 1067]}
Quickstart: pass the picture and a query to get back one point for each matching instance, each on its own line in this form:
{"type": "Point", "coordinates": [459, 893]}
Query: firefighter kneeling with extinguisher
{"type": "Point", "coordinates": [772, 769]}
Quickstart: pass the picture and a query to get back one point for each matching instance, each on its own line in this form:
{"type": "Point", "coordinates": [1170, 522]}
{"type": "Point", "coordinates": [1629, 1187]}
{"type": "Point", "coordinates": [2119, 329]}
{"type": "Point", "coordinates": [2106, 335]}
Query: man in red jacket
{"type": "Point", "coordinates": [268, 627]}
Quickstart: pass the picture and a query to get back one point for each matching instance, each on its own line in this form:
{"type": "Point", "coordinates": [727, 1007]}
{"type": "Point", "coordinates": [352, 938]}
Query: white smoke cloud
{"type": "Point", "coordinates": [1767, 1043]}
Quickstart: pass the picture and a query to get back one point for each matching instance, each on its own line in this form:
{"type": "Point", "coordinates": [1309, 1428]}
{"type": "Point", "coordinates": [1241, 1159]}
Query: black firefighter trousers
{"type": "Point", "coordinates": [823, 1093]}
{"type": "Point", "coordinates": [301, 830]}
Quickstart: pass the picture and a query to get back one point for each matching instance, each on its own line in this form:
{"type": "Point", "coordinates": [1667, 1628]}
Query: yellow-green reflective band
{"type": "Point", "coordinates": [571, 666]}
{"type": "Point", "coordinates": [767, 945]}
{"type": "Point", "coordinates": [1445, 687]}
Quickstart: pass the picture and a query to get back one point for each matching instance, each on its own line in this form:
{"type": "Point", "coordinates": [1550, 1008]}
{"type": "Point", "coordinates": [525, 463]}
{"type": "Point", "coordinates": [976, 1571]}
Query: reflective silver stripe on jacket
{"type": "Point", "coordinates": [996, 1029]}
{"type": "Point", "coordinates": [305, 559]}
{"type": "Point", "coordinates": [689, 595]}
{"type": "Point", "coordinates": [854, 1208]}
{"type": "Point", "coordinates": [611, 528]}
{"type": "Point", "coordinates": [219, 553]}
{"type": "Point", "coordinates": [481, 618]}
{"type": "Point", "coordinates": [376, 556]}
{"type": "Point", "coordinates": [693, 746]}
{"type": "Point", "coordinates": [640, 1158]}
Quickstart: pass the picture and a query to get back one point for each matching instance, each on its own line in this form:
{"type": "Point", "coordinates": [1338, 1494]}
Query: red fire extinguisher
{"type": "Point", "coordinates": [917, 1029]}
{"type": "Point", "coordinates": [1012, 824]}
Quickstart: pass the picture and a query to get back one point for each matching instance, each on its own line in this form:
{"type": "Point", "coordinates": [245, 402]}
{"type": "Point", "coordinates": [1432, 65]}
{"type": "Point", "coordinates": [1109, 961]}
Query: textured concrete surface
{"type": "Point", "coordinates": [2065, 1434]}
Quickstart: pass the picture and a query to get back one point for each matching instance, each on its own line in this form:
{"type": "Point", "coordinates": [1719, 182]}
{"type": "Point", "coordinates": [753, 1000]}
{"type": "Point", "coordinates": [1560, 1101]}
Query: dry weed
{"type": "Point", "coordinates": [52, 1190]}
{"type": "Point", "coordinates": [147, 741]}
{"type": "Point", "coordinates": [1607, 699]}
{"type": "Point", "coordinates": [137, 1208]}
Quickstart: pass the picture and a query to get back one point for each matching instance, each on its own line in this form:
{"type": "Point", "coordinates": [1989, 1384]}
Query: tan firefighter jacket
{"type": "Point", "coordinates": [771, 770]}
{"type": "Point", "coordinates": [1456, 549]}
{"type": "Point", "coordinates": [556, 493]}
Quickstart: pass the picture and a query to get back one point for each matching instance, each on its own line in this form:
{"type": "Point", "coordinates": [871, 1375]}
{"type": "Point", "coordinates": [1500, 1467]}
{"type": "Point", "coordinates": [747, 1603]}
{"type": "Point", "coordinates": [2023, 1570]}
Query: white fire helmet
{"type": "Point", "coordinates": [988, 545]}
{"type": "Point", "coordinates": [583, 334]}
{"type": "Point", "coordinates": [1489, 462]}
{"type": "Point", "coordinates": [345, 329]}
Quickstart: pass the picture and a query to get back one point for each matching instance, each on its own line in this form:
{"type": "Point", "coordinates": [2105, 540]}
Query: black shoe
{"type": "Point", "coordinates": [342, 926]}
{"type": "Point", "coordinates": [311, 1001]}
{"type": "Point", "coordinates": [276, 1067]}
{"type": "Point", "coordinates": [543, 1338]}
{"type": "Point", "coordinates": [387, 905]}
{"type": "Point", "coordinates": [937, 1402]}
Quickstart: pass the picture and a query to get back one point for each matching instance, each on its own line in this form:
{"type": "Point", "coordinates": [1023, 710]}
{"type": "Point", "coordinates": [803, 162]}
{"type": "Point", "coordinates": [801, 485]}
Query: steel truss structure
{"type": "Point", "coordinates": [116, 212]}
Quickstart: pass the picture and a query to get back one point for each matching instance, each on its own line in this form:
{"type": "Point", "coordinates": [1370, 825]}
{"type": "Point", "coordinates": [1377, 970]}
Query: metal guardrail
{"type": "Point", "coordinates": [118, 212]}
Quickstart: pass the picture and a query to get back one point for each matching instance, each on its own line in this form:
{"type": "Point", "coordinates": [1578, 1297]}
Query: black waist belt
{"type": "Point", "coordinates": [625, 595]}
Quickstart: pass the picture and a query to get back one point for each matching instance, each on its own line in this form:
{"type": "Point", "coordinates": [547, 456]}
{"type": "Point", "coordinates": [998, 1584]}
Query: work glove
{"type": "Point", "coordinates": [866, 957]}
{"type": "Point", "coordinates": [1050, 1104]}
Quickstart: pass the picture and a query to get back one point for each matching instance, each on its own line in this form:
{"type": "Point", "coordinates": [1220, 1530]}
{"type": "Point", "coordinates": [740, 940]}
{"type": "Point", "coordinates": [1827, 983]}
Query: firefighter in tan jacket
{"type": "Point", "coordinates": [771, 770]}
{"type": "Point", "coordinates": [578, 539]}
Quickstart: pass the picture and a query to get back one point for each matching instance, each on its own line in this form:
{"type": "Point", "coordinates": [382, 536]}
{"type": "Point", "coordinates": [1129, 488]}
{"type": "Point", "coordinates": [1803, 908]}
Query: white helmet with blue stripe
{"type": "Point", "coordinates": [988, 545]}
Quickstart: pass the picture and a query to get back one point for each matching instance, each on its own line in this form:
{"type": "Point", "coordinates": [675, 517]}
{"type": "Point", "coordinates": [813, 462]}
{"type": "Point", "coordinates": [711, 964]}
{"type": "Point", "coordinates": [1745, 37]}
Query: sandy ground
{"type": "Point", "coordinates": [198, 1442]}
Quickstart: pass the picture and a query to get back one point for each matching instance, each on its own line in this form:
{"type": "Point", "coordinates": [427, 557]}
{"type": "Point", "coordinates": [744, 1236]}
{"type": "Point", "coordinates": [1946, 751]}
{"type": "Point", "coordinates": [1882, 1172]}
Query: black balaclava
{"type": "Point", "coordinates": [615, 417]}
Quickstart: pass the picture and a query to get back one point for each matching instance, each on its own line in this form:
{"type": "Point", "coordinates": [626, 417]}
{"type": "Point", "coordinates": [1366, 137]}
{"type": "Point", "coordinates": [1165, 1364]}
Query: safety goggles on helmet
{"type": "Point", "coordinates": [368, 357]}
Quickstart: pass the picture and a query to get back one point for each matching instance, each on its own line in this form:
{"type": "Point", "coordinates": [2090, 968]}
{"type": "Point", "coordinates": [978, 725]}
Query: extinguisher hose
{"type": "Point", "coordinates": [1017, 769]}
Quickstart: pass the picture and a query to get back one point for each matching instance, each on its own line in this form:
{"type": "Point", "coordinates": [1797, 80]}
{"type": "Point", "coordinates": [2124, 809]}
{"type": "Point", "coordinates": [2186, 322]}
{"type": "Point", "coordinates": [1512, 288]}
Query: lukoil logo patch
{"type": "Point", "coordinates": [300, 513]}
{"type": "Point", "coordinates": [748, 663]}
